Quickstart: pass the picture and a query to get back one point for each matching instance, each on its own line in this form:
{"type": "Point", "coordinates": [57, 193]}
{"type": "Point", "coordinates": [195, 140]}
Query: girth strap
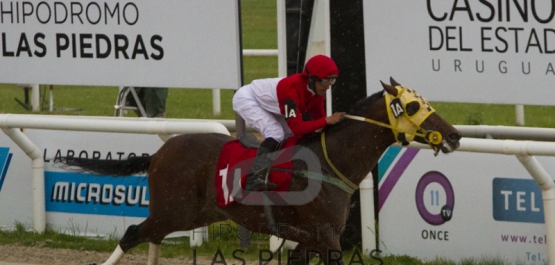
{"type": "Point", "coordinates": [318, 176]}
{"type": "Point", "coordinates": [325, 178]}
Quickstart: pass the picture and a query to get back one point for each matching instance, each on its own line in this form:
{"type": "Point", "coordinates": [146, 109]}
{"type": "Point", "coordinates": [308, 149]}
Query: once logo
{"type": "Point", "coordinates": [435, 199]}
{"type": "Point", "coordinates": [5, 158]}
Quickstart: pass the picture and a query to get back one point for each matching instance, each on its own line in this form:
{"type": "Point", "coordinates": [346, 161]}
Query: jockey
{"type": "Point", "coordinates": [282, 107]}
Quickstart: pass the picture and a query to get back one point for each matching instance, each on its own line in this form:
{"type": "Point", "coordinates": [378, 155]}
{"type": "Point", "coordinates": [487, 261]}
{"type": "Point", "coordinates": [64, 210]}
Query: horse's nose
{"type": "Point", "coordinates": [455, 136]}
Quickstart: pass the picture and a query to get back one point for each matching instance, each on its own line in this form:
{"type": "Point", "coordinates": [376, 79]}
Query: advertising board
{"type": "Point", "coordinates": [461, 206]}
{"type": "Point", "coordinates": [76, 202]}
{"type": "Point", "coordinates": [463, 51]}
{"type": "Point", "coordinates": [16, 202]}
{"type": "Point", "coordinates": [170, 43]}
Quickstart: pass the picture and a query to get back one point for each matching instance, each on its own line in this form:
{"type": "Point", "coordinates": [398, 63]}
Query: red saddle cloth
{"type": "Point", "coordinates": [235, 163]}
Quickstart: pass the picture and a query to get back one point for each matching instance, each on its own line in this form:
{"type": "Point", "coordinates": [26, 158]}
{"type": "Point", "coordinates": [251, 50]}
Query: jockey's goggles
{"type": "Point", "coordinates": [330, 80]}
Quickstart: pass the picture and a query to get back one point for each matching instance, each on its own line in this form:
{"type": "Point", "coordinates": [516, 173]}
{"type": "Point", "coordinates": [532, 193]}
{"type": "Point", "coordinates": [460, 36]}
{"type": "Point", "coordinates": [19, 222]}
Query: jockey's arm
{"type": "Point", "coordinates": [294, 118]}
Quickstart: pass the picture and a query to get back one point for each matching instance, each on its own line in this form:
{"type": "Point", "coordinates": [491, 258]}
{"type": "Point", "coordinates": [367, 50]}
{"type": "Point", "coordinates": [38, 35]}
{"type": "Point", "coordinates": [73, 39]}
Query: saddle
{"type": "Point", "coordinates": [235, 163]}
{"type": "Point", "coordinates": [248, 140]}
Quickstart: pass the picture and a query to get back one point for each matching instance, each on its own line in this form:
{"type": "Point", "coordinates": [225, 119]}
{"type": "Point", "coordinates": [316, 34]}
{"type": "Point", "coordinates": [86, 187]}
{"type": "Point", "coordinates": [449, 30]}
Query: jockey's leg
{"type": "Point", "coordinates": [256, 181]}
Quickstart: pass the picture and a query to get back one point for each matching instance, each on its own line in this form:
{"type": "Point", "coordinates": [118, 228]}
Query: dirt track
{"type": "Point", "coordinates": [19, 255]}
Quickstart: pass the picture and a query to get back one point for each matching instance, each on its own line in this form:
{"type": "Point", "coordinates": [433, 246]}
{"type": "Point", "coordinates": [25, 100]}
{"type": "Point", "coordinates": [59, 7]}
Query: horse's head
{"type": "Point", "coordinates": [412, 118]}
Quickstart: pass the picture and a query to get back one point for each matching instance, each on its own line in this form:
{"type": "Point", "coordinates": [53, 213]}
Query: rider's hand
{"type": "Point", "coordinates": [335, 118]}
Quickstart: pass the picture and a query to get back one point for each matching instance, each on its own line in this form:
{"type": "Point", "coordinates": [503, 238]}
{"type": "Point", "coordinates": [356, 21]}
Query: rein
{"type": "Point", "coordinates": [345, 180]}
{"type": "Point", "coordinates": [359, 118]}
{"type": "Point", "coordinates": [432, 137]}
{"type": "Point", "coordinates": [341, 176]}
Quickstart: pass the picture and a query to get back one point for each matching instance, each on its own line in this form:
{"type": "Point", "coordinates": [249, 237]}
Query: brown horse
{"type": "Point", "coordinates": [182, 190]}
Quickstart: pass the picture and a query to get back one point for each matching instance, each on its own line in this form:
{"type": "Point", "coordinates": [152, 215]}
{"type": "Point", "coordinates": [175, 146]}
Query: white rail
{"type": "Point", "coordinates": [260, 52]}
{"type": "Point", "coordinates": [507, 132]}
{"type": "Point", "coordinates": [11, 124]}
{"type": "Point", "coordinates": [109, 124]}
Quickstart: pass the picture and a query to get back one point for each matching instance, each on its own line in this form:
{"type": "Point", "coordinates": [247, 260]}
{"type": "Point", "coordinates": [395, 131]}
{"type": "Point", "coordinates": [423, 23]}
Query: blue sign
{"type": "Point", "coordinates": [92, 194]}
{"type": "Point", "coordinates": [517, 200]}
{"type": "Point", "coordinates": [5, 158]}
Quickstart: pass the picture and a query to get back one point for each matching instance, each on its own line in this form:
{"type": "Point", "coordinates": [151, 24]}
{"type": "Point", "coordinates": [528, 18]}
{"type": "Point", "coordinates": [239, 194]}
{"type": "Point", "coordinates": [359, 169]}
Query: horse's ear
{"type": "Point", "coordinates": [393, 82]}
{"type": "Point", "coordinates": [389, 89]}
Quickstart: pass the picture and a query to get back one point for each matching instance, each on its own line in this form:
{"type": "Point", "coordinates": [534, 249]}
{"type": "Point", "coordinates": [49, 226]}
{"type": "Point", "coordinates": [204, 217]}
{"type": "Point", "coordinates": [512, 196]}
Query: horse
{"type": "Point", "coordinates": [182, 186]}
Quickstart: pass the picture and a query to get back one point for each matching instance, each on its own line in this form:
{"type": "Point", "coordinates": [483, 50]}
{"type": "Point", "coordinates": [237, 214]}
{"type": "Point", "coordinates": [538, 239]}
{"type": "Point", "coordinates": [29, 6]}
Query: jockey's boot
{"type": "Point", "coordinates": [256, 180]}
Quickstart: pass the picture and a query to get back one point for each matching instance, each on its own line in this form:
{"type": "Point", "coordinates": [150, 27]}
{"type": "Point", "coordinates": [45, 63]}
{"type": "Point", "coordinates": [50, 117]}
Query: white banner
{"type": "Point", "coordinates": [460, 206]}
{"type": "Point", "coordinates": [463, 51]}
{"type": "Point", "coordinates": [169, 43]}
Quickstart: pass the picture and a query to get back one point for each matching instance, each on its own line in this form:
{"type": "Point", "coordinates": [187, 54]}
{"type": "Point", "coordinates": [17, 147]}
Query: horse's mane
{"type": "Point", "coordinates": [362, 105]}
{"type": "Point", "coordinates": [357, 109]}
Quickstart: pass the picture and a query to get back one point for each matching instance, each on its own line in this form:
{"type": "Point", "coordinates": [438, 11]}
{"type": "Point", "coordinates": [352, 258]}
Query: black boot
{"type": "Point", "coordinates": [256, 181]}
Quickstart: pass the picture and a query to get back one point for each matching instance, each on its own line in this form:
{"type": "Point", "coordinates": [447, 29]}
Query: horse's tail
{"type": "Point", "coordinates": [127, 167]}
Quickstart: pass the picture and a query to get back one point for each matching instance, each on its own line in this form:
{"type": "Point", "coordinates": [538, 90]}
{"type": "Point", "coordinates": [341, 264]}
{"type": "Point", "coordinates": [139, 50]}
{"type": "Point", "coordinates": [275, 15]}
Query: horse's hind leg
{"type": "Point", "coordinates": [136, 234]}
{"type": "Point", "coordinates": [115, 257]}
{"type": "Point", "coordinates": [153, 255]}
{"type": "Point", "coordinates": [128, 241]}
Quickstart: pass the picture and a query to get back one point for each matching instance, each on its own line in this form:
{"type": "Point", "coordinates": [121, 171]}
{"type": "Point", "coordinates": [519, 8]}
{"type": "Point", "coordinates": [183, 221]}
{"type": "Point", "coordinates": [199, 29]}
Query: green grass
{"type": "Point", "coordinates": [494, 114]}
{"type": "Point", "coordinates": [100, 101]}
{"type": "Point", "coordinates": [259, 25]}
{"type": "Point", "coordinates": [197, 103]}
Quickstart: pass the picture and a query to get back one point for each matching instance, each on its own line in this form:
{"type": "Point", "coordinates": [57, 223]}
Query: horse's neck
{"type": "Point", "coordinates": [357, 146]}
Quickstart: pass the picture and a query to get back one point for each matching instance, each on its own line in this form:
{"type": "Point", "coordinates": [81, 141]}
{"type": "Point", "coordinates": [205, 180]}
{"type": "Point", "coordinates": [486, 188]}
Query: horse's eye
{"type": "Point", "coordinates": [412, 108]}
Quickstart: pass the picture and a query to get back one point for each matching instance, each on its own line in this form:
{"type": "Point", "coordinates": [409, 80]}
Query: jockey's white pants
{"type": "Point", "coordinates": [267, 123]}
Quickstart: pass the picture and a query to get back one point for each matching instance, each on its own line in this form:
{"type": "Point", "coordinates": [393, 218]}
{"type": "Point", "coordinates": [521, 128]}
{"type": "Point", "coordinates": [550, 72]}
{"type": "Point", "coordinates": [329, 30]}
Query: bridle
{"type": "Point", "coordinates": [433, 138]}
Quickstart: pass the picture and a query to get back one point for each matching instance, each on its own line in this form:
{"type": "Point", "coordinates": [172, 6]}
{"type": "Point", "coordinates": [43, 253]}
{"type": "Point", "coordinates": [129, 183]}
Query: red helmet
{"type": "Point", "coordinates": [321, 66]}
